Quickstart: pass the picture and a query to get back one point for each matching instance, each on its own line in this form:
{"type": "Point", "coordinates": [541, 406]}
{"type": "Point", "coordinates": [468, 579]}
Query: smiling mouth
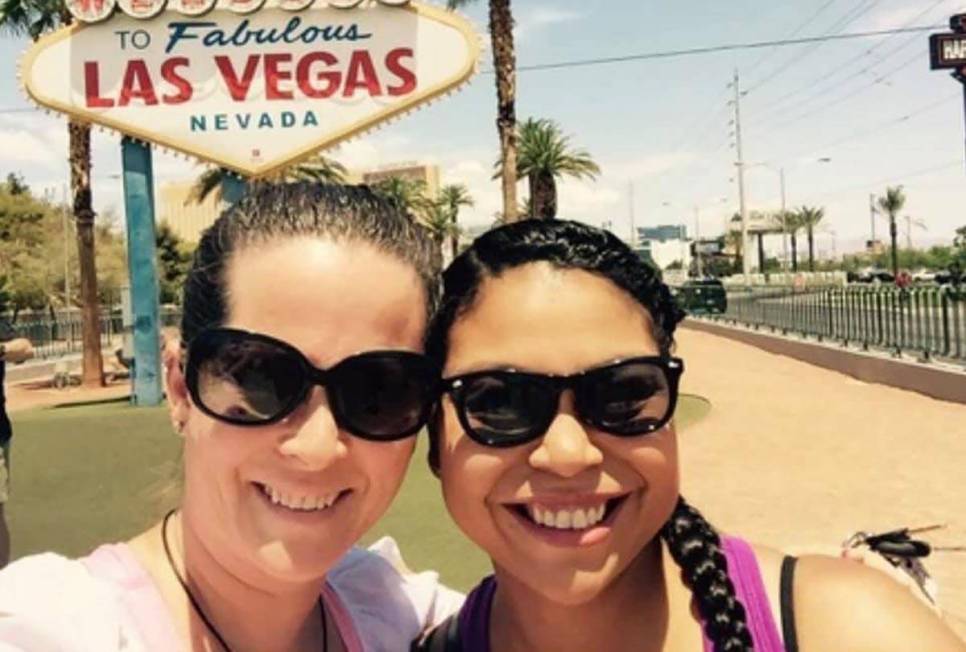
{"type": "Point", "coordinates": [301, 503]}
{"type": "Point", "coordinates": [569, 518]}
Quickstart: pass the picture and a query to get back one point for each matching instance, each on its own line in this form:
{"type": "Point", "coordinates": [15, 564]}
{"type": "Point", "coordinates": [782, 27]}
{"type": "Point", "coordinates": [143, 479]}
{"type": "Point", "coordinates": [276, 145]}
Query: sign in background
{"type": "Point", "coordinates": [250, 86]}
{"type": "Point", "coordinates": [252, 92]}
{"type": "Point", "coordinates": [948, 51]}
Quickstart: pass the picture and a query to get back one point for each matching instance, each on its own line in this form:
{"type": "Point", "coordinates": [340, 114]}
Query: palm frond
{"type": "Point", "coordinates": [207, 183]}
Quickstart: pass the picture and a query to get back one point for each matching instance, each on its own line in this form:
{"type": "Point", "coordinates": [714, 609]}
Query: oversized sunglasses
{"type": "Point", "coordinates": [249, 379]}
{"type": "Point", "coordinates": [503, 408]}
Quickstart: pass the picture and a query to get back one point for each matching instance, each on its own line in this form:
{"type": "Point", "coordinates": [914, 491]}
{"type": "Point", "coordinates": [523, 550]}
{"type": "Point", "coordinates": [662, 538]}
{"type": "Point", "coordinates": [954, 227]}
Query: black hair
{"type": "Point", "coordinates": [693, 542]}
{"type": "Point", "coordinates": [270, 212]}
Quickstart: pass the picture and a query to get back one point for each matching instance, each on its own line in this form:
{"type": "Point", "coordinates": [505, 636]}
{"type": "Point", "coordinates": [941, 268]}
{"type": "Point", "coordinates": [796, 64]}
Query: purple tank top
{"type": "Point", "coordinates": [474, 618]}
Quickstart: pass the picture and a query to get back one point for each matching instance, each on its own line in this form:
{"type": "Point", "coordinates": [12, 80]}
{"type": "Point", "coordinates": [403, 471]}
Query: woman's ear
{"type": "Point", "coordinates": [179, 401]}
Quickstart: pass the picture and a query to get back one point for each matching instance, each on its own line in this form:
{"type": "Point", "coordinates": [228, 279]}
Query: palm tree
{"type": "Point", "coordinates": [318, 168]}
{"type": "Point", "coordinates": [454, 197]}
{"type": "Point", "coordinates": [892, 203]}
{"type": "Point", "coordinates": [408, 194]}
{"type": "Point", "coordinates": [793, 224]}
{"type": "Point", "coordinates": [545, 156]}
{"type": "Point", "coordinates": [34, 18]}
{"type": "Point", "coordinates": [808, 218]}
{"type": "Point", "coordinates": [504, 64]}
{"type": "Point", "coordinates": [437, 217]}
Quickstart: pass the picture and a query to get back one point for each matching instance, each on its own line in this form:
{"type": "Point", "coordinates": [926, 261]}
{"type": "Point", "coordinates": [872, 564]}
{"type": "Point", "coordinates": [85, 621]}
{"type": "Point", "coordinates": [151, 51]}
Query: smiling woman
{"type": "Point", "coordinates": [556, 448]}
{"type": "Point", "coordinates": [298, 391]}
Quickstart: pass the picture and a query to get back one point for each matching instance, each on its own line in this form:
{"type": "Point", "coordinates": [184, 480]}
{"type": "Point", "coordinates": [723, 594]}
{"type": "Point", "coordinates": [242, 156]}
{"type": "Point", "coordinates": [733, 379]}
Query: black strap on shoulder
{"type": "Point", "coordinates": [444, 638]}
{"type": "Point", "coordinates": [786, 593]}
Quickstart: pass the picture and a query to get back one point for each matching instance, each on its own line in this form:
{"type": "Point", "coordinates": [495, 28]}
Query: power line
{"type": "Point", "coordinates": [854, 14]}
{"type": "Point", "coordinates": [958, 163]}
{"type": "Point", "coordinates": [824, 79]}
{"type": "Point", "coordinates": [796, 32]}
{"type": "Point", "coordinates": [848, 96]}
{"type": "Point", "coordinates": [880, 128]}
{"type": "Point", "coordinates": [671, 54]}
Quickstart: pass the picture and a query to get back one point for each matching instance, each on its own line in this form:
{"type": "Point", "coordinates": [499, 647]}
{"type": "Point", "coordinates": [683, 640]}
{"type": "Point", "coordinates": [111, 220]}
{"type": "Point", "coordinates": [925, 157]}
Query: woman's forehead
{"type": "Point", "coordinates": [327, 298]}
{"type": "Point", "coordinates": [541, 317]}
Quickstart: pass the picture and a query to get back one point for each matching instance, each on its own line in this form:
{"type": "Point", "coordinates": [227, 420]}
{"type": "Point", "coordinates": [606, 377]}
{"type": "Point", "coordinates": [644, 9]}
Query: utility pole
{"type": "Point", "coordinates": [740, 164]}
{"type": "Point", "coordinates": [697, 241]}
{"type": "Point", "coordinates": [784, 225]}
{"type": "Point", "coordinates": [872, 213]}
{"type": "Point", "coordinates": [630, 208]}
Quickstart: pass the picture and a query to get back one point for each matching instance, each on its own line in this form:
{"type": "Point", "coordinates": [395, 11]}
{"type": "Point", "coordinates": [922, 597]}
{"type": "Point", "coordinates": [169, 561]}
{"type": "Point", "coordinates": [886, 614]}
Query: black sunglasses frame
{"type": "Point", "coordinates": [457, 386]}
{"type": "Point", "coordinates": [311, 376]}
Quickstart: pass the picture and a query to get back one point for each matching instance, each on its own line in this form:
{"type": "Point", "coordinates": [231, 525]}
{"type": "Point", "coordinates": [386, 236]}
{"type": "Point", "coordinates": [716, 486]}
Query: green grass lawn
{"type": "Point", "coordinates": [92, 474]}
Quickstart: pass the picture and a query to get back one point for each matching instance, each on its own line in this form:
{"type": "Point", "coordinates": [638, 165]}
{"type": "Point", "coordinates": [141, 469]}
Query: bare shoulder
{"type": "Point", "coordinates": [844, 605]}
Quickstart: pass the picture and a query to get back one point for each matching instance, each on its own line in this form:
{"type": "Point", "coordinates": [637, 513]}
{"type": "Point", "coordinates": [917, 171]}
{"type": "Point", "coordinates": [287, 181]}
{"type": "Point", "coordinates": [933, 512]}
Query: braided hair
{"type": "Point", "coordinates": [692, 541]}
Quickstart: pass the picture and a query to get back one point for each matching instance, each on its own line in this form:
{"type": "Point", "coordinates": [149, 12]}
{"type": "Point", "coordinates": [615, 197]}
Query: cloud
{"type": "Point", "coordinates": [33, 139]}
{"type": "Point", "coordinates": [535, 18]}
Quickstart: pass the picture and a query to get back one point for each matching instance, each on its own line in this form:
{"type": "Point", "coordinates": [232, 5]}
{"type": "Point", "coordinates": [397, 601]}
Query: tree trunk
{"type": "Point", "coordinates": [80, 183]}
{"type": "Point", "coordinates": [811, 250]}
{"type": "Point", "coordinates": [794, 240]}
{"type": "Point", "coordinates": [504, 63]}
{"type": "Point", "coordinates": [761, 252]}
{"type": "Point", "coordinates": [895, 252]}
{"type": "Point", "coordinates": [455, 236]}
{"type": "Point", "coordinates": [544, 198]}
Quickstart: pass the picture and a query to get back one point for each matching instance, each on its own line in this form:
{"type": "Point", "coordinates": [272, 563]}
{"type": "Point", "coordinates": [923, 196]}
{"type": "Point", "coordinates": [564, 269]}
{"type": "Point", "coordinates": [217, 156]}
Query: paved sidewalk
{"type": "Point", "coordinates": [39, 393]}
{"type": "Point", "coordinates": [793, 455]}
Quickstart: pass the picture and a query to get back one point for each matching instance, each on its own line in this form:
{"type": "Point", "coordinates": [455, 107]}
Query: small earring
{"type": "Point", "coordinates": [179, 427]}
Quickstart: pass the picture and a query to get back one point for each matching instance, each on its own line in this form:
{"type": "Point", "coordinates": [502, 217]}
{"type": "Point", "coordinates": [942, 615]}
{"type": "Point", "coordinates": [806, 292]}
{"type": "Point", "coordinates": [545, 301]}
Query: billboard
{"type": "Point", "coordinates": [249, 85]}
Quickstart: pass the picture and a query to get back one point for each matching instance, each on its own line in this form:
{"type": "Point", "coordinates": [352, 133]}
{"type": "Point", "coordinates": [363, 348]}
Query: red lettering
{"type": "Point", "coordinates": [169, 72]}
{"type": "Point", "coordinates": [274, 74]}
{"type": "Point", "coordinates": [137, 84]}
{"type": "Point", "coordinates": [305, 78]}
{"type": "Point", "coordinates": [407, 76]}
{"type": "Point", "coordinates": [237, 88]}
{"type": "Point", "coordinates": [361, 74]}
{"type": "Point", "coordinates": [92, 87]}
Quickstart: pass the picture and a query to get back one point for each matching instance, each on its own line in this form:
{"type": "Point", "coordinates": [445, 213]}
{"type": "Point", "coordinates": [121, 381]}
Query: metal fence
{"type": "Point", "coordinates": [61, 336]}
{"type": "Point", "coordinates": [929, 322]}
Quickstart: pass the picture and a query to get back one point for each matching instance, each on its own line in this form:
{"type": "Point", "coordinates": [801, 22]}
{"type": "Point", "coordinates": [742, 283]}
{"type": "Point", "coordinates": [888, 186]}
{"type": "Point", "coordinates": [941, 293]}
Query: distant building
{"type": "Point", "coordinates": [662, 233]}
{"type": "Point", "coordinates": [187, 219]}
{"type": "Point", "coordinates": [874, 247]}
{"type": "Point", "coordinates": [428, 174]}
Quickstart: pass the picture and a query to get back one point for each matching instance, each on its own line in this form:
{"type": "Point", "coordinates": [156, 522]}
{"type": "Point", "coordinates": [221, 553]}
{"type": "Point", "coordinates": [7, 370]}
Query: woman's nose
{"type": "Point", "coordinates": [566, 449]}
{"type": "Point", "coordinates": [316, 439]}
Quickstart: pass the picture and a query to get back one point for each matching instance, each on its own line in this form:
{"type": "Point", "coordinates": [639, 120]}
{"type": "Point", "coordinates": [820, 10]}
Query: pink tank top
{"type": "Point", "coordinates": [147, 612]}
{"type": "Point", "coordinates": [474, 618]}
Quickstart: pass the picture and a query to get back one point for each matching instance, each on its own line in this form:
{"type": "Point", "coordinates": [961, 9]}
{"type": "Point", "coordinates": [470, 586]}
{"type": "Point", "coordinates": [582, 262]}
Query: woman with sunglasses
{"type": "Point", "coordinates": [298, 397]}
{"type": "Point", "coordinates": [556, 450]}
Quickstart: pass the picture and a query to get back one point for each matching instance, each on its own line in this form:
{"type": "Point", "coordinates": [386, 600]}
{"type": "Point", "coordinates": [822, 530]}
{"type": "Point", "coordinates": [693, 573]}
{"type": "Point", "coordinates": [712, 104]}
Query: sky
{"type": "Point", "coordinates": [844, 119]}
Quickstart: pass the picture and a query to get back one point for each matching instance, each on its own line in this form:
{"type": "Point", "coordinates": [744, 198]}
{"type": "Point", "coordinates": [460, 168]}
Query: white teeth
{"type": "Point", "coordinates": [299, 503]}
{"type": "Point", "coordinates": [567, 519]}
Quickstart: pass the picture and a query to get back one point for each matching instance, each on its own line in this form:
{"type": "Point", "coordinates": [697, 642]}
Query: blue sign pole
{"type": "Point", "coordinates": [142, 268]}
{"type": "Point", "coordinates": [232, 187]}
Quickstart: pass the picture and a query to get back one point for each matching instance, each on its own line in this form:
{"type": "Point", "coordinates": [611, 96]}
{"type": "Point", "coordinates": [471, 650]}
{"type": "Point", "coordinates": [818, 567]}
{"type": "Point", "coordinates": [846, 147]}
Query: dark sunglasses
{"type": "Point", "coordinates": [503, 408]}
{"type": "Point", "coordinates": [248, 379]}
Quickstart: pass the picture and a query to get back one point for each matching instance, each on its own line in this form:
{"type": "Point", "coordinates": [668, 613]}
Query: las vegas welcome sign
{"type": "Point", "coordinates": [249, 85]}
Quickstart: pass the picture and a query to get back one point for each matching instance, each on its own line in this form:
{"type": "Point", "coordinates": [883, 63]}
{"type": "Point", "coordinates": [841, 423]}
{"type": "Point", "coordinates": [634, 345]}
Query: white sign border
{"type": "Point", "coordinates": [349, 132]}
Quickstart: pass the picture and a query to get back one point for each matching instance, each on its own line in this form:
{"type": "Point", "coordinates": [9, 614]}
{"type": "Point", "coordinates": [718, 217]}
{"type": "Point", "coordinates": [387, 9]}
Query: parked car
{"type": "Point", "coordinates": [702, 296]}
